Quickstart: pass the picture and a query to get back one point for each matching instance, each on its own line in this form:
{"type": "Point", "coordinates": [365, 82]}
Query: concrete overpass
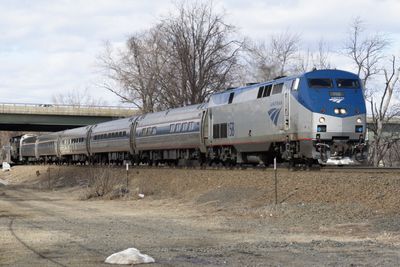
{"type": "Point", "coordinates": [49, 117]}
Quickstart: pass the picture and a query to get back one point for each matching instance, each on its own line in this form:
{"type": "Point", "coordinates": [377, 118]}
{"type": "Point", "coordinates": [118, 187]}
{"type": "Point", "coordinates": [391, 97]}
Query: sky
{"type": "Point", "coordinates": [50, 47]}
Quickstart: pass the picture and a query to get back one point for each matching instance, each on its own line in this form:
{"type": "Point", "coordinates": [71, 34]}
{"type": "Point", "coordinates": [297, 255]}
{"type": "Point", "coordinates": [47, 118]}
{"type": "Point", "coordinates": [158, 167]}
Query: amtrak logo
{"type": "Point", "coordinates": [336, 99]}
{"type": "Point", "coordinates": [274, 114]}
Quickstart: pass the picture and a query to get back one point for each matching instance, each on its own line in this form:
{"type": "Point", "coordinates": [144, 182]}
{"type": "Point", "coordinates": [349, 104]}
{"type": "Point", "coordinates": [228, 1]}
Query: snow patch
{"type": "Point", "coordinates": [6, 166]}
{"type": "Point", "coordinates": [129, 256]}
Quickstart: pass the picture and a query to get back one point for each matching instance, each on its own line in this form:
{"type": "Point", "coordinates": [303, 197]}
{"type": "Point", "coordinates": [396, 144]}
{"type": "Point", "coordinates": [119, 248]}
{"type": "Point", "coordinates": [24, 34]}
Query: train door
{"type": "Point", "coordinates": [132, 136]}
{"type": "Point", "coordinates": [286, 105]}
{"type": "Point", "coordinates": [204, 131]}
{"type": "Point", "coordinates": [88, 136]}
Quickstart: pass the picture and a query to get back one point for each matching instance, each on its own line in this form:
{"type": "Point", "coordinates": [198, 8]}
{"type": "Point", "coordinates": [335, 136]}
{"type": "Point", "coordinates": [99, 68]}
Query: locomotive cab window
{"type": "Point", "coordinates": [348, 83]}
{"type": "Point", "coordinates": [277, 89]}
{"type": "Point", "coordinates": [231, 95]}
{"type": "Point", "coordinates": [267, 90]}
{"type": "Point", "coordinates": [320, 83]}
{"type": "Point", "coordinates": [260, 92]}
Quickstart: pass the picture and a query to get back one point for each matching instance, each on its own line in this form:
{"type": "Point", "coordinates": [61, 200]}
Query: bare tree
{"type": "Point", "coordinates": [284, 47]}
{"type": "Point", "coordinates": [77, 97]}
{"type": "Point", "coordinates": [259, 62]}
{"type": "Point", "coordinates": [383, 112]}
{"type": "Point", "coordinates": [365, 51]}
{"type": "Point", "coordinates": [136, 70]}
{"type": "Point", "coordinates": [367, 54]}
{"type": "Point", "coordinates": [318, 59]}
{"type": "Point", "coordinates": [178, 62]}
{"type": "Point", "coordinates": [278, 57]}
{"type": "Point", "coordinates": [202, 53]}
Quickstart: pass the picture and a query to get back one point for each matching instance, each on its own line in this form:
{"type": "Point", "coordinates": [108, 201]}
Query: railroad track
{"type": "Point", "coordinates": [280, 167]}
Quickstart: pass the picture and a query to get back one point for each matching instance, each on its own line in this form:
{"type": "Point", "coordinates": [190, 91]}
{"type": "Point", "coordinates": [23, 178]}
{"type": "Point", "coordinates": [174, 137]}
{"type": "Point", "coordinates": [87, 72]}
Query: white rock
{"type": "Point", "coordinates": [6, 166]}
{"type": "Point", "coordinates": [129, 256]}
{"type": "Point", "coordinates": [141, 195]}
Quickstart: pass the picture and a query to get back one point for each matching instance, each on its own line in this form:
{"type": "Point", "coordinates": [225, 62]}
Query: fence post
{"type": "Point", "coordinates": [276, 182]}
{"type": "Point", "coordinates": [127, 176]}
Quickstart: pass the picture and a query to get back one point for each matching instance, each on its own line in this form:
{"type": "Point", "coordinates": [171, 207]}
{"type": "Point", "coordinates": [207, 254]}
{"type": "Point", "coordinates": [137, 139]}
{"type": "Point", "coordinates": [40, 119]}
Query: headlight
{"type": "Point", "coordinates": [322, 120]}
{"type": "Point", "coordinates": [359, 120]}
{"type": "Point", "coordinates": [336, 110]}
{"type": "Point", "coordinates": [342, 111]}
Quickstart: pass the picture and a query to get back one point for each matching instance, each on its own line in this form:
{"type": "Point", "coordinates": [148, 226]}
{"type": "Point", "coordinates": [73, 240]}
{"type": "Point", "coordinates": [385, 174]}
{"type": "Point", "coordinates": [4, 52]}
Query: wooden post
{"type": "Point", "coordinates": [127, 176]}
{"type": "Point", "coordinates": [276, 182]}
{"type": "Point", "coordinates": [48, 178]}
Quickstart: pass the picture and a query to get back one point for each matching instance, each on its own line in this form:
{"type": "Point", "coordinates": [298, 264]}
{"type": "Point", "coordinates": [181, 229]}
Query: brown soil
{"type": "Point", "coordinates": [200, 217]}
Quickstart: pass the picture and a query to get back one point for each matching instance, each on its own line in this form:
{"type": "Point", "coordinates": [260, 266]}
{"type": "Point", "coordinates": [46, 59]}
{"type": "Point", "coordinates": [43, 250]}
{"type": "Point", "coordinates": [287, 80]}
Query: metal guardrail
{"type": "Point", "coordinates": [73, 110]}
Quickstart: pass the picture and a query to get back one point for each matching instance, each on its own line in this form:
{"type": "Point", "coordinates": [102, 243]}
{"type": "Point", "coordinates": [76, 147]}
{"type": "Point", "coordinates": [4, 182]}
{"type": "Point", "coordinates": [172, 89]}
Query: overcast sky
{"type": "Point", "coordinates": [50, 46]}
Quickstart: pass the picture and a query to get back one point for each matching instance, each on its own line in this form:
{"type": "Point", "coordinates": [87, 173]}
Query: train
{"type": "Point", "coordinates": [317, 117]}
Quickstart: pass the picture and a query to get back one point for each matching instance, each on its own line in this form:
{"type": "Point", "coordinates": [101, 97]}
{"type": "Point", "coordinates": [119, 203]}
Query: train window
{"type": "Point", "coordinates": [348, 83]}
{"type": "Point", "coordinates": [231, 95]}
{"type": "Point", "coordinates": [153, 130]}
{"type": "Point", "coordinates": [260, 92]}
{"type": "Point", "coordinates": [124, 133]}
{"type": "Point", "coordinates": [178, 127]}
{"type": "Point", "coordinates": [216, 128]}
{"type": "Point", "coordinates": [320, 83]}
{"type": "Point", "coordinates": [190, 127]}
{"type": "Point", "coordinates": [172, 128]}
{"type": "Point", "coordinates": [184, 127]}
{"type": "Point", "coordinates": [148, 131]}
{"type": "Point", "coordinates": [277, 88]}
{"type": "Point", "coordinates": [267, 90]}
{"type": "Point", "coordinates": [224, 130]}
{"type": "Point", "coordinates": [109, 135]}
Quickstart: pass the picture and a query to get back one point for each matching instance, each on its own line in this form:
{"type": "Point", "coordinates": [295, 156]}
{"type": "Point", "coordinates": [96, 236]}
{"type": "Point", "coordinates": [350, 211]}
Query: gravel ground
{"type": "Point", "coordinates": [200, 217]}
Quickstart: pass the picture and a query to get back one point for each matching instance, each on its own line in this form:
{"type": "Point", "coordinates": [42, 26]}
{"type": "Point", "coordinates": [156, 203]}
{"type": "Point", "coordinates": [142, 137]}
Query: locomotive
{"type": "Point", "coordinates": [315, 117]}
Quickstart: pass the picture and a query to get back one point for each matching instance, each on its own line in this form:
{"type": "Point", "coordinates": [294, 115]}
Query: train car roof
{"type": "Point", "coordinates": [172, 114]}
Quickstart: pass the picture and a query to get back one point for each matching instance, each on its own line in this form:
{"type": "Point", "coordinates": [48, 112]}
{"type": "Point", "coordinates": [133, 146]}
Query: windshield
{"type": "Point", "coordinates": [320, 83]}
{"type": "Point", "coordinates": [347, 83]}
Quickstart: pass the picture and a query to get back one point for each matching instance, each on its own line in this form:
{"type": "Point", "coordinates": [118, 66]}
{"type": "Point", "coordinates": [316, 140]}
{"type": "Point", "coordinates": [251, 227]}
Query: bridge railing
{"type": "Point", "coordinates": [75, 110]}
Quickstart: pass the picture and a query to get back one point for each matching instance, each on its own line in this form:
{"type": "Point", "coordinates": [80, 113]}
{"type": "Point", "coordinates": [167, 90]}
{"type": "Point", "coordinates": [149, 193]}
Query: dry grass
{"type": "Point", "coordinates": [103, 183]}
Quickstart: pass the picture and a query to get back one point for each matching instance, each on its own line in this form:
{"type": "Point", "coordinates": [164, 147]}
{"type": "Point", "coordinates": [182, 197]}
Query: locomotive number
{"type": "Point", "coordinates": [231, 129]}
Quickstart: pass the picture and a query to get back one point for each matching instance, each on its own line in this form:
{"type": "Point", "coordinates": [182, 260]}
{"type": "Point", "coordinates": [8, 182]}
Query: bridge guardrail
{"type": "Point", "coordinates": [75, 110]}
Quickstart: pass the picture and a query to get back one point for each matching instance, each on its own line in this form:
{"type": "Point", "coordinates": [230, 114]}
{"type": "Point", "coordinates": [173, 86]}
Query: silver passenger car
{"type": "Point", "coordinates": [28, 148]}
{"type": "Point", "coordinates": [73, 145]}
{"type": "Point", "coordinates": [111, 141]}
{"type": "Point", "coordinates": [47, 147]}
{"type": "Point", "coordinates": [170, 135]}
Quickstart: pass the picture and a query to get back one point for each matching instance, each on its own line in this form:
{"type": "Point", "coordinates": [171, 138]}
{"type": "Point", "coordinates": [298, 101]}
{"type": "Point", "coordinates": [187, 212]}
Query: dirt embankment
{"type": "Point", "coordinates": [372, 192]}
{"type": "Point", "coordinates": [199, 217]}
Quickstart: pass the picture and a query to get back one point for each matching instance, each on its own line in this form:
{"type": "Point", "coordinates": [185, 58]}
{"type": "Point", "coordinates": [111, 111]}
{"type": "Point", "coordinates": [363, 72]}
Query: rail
{"type": "Point", "coordinates": [74, 110]}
